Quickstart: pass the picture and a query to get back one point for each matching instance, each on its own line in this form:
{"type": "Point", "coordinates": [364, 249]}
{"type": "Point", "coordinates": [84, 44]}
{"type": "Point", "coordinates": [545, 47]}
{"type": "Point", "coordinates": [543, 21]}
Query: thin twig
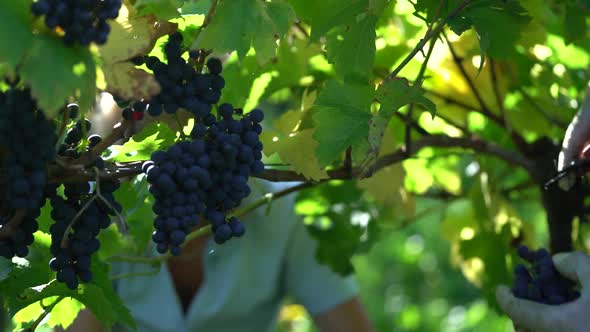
{"type": "Point", "coordinates": [418, 83]}
{"type": "Point", "coordinates": [279, 175]}
{"type": "Point", "coordinates": [518, 140]}
{"type": "Point", "coordinates": [40, 319]}
{"type": "Point", "coordinates": [122, 225]}
{"type": "Point", "coordinates": [552, 119]}
{"type": "Point", "coordinates": [64, 239]}
{"type": "Point", "coordinates": [116, 134]}
{"type": "Point", "coordinates": [499, 97]}
{"type": "Point", "coordinates": [204, 230]}
{"type": "Point", "coordinates": [427, 37]}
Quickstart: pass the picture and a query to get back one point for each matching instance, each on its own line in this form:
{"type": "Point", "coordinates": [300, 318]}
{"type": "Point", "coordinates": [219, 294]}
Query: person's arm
{"type": "Point", "coordinates": [348, 316]}
{"type": "Point", "coordinates": [577, 137]}
{"type": "Point", "coordinates": [85, 322]}
{"type": "Point", "coordinates": [537, 317]}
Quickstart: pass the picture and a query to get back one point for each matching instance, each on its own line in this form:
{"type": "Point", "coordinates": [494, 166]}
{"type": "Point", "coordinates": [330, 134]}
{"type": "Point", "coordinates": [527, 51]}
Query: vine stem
{"type": "Point", "coordinates": [418, 81]}
{"type": "Point", "coordinates": [208, 18]}
{"type": "Point", "coordinates": [429, 34]}
{"type": "Point", "coordinates": [44, 314]}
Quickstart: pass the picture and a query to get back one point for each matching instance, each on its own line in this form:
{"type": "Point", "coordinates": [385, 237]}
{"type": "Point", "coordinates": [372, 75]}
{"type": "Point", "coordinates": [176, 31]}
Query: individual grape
{"type": "Point", "coordinates": [214, 66]}
{"type": "Point", "coordinates": [541, 282]}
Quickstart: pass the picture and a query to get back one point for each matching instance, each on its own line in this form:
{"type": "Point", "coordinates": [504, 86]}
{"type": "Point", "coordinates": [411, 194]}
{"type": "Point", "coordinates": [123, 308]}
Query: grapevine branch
{"type": "Point", "coordinates": [11, 226]}
{"type": "Point", "coordinates": [46, 312]}
{"type": "Point", "coordinates": [518, 140]}
{"type": "Point", "coordinates": [122, 170]}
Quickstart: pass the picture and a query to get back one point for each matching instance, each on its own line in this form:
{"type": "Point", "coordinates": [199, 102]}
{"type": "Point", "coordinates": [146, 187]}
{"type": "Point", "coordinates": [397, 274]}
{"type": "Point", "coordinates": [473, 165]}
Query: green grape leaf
{"type": "Point", "coordinates": [15, 32]}
{"type": "Point", "coordinates": [304, 9]}
{"type": "Point", "coordinates": [64, 313]}
{"type": "Point", "coordinates": [200, 7]}
{"type": "Point", "coordinates": [295, 149]}
{"type": "Point", "coordinates": [75, 68]}
{"type": "Point", "coordinates": [291, 65]}
{"type": "Point", "coordinates": [162, 9]}
{"type": "Point", "coordinates": [136, 202]}
{"type": "Point", "coordinates": [132, 36]}
{"type": "Point", "coordinates": [156, 136]}
{"type": "Point", "coordinates": [337, 242]}
{"type": "Point", "coordinates": [295, 146]}
{"type": "Point", "coordinates": [5, 268]}
{"type": "Point", "coordinates": [331, 13]}
{"type": "Point", "coordinates": [106, 308]}
{"type": "Point", "coordinates": [491, 248]}
{"type": "Point", "coordinates": [130, 83]}
{"type": "Point", "coordinates": [338, 238]}
{"type": "Point", "coordinates": [341, 115]}
{"type": "Point", "coordinates": [376, 7]}
{"type": "Point", "coordinates": [387, 187]}
{"type": "Point", "coordinates": [574, 23]}
{"type": "Point", "coordinates": [352, 50]}
{"type": "Point", "coordinates": [259, 25]}
{"type": "Point", "coordinates": [395, 93]}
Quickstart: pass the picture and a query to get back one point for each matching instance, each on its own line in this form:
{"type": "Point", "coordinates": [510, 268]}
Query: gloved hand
{"type": "Point", "coordinates": [570, 317]}
{"type": "Point", "coordinates": [577, 136]}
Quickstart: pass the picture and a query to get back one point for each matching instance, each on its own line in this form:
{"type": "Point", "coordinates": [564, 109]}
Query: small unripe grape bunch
{"type": "Point", "coordinates": [538, 280]}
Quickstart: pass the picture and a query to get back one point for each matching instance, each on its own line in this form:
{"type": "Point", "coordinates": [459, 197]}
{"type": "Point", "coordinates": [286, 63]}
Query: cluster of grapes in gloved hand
{"type": "Point", "coordinates": [540, 281]}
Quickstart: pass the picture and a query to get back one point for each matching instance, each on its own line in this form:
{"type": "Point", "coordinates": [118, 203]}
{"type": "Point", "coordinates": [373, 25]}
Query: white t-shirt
{"type": "Point", "coordinates": [245, 280]}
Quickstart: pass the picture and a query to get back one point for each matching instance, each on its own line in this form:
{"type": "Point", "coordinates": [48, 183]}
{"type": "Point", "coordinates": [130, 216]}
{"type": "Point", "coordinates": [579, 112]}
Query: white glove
{"type": "Point", "coordinates": [569, 317]}
{"type": "Point", "coordinates": [576, 137]}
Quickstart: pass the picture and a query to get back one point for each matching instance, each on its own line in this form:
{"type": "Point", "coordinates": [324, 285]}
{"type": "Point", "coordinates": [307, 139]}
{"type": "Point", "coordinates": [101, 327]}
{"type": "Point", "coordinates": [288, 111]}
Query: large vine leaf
{"type": "Point", "coordinates": [15, 33]}
{"type": "Point", "coordinates": [32, 52]}
{"type": "Point", "coordinates": [352, 50]}
{"type": "Point", "coordinates": [294, 145]}
{"type": "Point", "coordinates": [154, 137]}
{"type": "Point", "coordinates": [341, 115]}
{"type": "Point", "coordinates": [75, 68]}
{"type": "Point", "coordinates": [131, 36]}
{"type": "Point", "coordinates": [136, 201]}
{"type": "Point", "coordinates": [498, 25]}
{"type": "Point", "coordinates": [162, 9]}
{"type": "Point", "coordinates": [331, 13]}
{"type": "Point", "coordinates": [393, 94]}
{"type": "Point", "coordinates": [253, 23]}
{"type": "Point", "coordinates": [107, 308]}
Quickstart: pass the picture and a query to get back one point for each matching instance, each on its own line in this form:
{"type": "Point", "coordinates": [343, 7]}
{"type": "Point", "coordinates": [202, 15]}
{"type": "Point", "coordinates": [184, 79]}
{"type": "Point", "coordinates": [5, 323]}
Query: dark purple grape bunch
{"type": "Point", "coordinates": [181, 85]}
{"type": "Point", "coordinates": [83, 21]}
{"type": "Point", "coordinates": [178, 179]}
{"type": "Point", "coordinates": [235, 153]}
{"type": "Point", "coordinates": [18, 243]}
{"type": "Point", "coordinates": [74, 236]}
{"type": "Point", "coordinates": [205, 176]}
{"type": "Point", "coordinates": [28, 139]}
{"type": "Point", "coordinates": [538, 280]}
